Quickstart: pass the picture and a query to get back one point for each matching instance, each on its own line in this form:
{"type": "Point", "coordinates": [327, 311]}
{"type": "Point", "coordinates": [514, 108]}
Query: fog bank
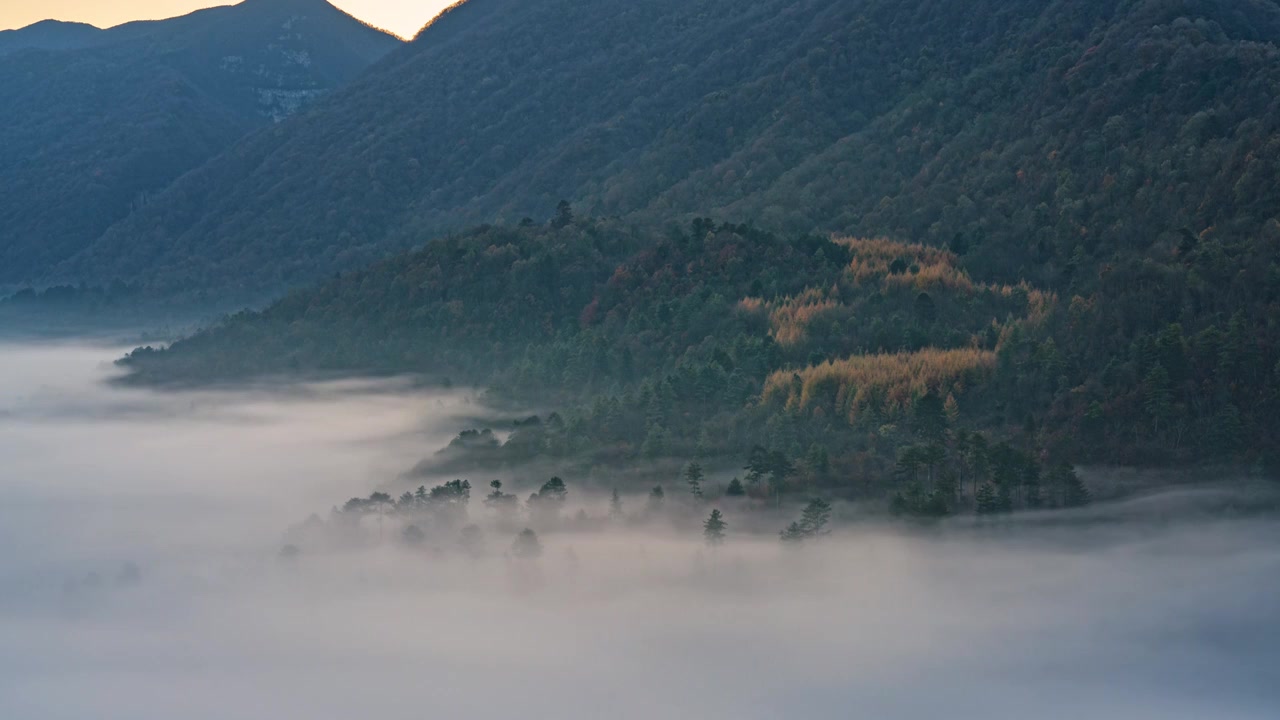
{"type": "Point", "coordinates": [140, 577]}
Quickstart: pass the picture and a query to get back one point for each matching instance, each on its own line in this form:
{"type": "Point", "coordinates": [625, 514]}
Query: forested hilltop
{"type": "Point", "coordinates": [94, 124]}
{"type": "Point", "coordinates": [824, 359]}
{"type": "Point", "coordinates": [1052, 138]}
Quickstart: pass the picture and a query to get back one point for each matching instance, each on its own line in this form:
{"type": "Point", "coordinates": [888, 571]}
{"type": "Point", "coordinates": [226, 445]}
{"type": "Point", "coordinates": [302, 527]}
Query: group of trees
{"type": "Point", "coordinates": [442, 511]}
{"type": "Point", "coordinates": [639, 340]}
{"type": "Point", "coordinates": [812, 523]}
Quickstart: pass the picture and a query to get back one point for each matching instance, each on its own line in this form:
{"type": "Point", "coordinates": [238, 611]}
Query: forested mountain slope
{"type": "Point", "coordinates": [751, 338]}
{"type": "Point", "coordinates": [1069, 230]}
{"type": "Point", "coordinates": [1049, 137]}
{"type": "Point", "coordinates": [91, 133]}
{"type": "Point", "coordinates": [656, 344]}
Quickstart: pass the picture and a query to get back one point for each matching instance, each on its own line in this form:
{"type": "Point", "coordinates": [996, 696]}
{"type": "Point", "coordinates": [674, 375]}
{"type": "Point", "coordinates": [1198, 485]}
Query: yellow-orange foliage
{"type": "Point", "coordinates": [873, 256]}
{"type": "Point", "coordinates": [790, 318]}
{"type": "Point", "coordinates": [934, 269]}
{"type": "Point", "coordinates": [888, 381]}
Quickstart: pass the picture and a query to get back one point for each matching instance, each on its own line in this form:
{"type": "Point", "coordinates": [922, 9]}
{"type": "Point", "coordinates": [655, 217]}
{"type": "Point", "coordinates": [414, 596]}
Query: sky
{"type": "Point", "coordinates": [403, 17]}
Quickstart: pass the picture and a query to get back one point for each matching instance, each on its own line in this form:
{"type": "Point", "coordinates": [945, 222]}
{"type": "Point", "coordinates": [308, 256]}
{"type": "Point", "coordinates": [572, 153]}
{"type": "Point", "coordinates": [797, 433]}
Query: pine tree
{"type": "Point", "coordinates": [564, 215]}
{"type": "Point", "coordinates": [655, 441]}
{"type": "Point", "coordinates": [909, 461]}
{"type": "Point", "coordinates": [1033, 499]}
{"type": "Point", "coordinates": [1004, 498]}
{"type": "Point", "coordinates": [1074, 492]}
{"type": "Point", "coordinates": [553, 491]}
{"type": "Point", "coordinates": [757, 464]}
{"type": "Point", "coordinates": [526, 545]}
{"type": "Point", "coordinates": [817, 461]}
{"type": "Point", "coordinates": [380, 502]}
{"type": "Point", "coordinates": [735, 488]}
{"type": "Point", "coordinates": [986, 503]}
{"type": "Point", "coordinates": [948, 484]}
{"type": "Point", "coordinates": [930, 417]}
{"type": "Point", "coordinates": [544, 505]}
{"type": "Point", "coordinates": [952, 410]}
{"type": "Point", "coordinates": [793, 535]}
{"type": "Point", "coordinates": [814, 518]}
{"type": "Point", "coordinates": [505, 504]}
{"type": "Point", "coordinates": [813, 522]}
{"type": "Point", "coordinates": [978, 458]}
{"type": "Point", "coordinates": [615, 506]}
{"type": "Point", "coordinates": [713, 528]}
{"type": "Point", "coordinates": [497, 496]}
{"type": "Point", "coordinates": [693, 478]}
{"type": "Point", "coordinates": [1226, 433]}
{"type": "Point", "coordinates": [932, 456]}
{"type": "Point", "coordinates": [656, 498]}
{"type": "Point", "coordinates": [413, 535]}
{"type": "Point", "coordinates": [780, 468]}
{"type": "Point", "coordinates": [1158, 396]}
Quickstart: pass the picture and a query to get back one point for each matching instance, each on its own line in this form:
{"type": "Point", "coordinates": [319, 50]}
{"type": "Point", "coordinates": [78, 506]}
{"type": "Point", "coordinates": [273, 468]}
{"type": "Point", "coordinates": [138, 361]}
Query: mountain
{"type": "Point", "coordinates": [49, 35]}
{"type": "Point", "coordinates": [1064, 210]}
{"type": "Point", "coordinates": [1047, 135]}
{"type": "Point", "coordinates": [99, 122]}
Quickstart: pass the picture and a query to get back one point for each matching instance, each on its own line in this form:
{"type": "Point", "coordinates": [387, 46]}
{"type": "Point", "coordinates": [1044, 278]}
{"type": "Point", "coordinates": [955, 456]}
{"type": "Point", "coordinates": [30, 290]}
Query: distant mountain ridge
{"type": "Point", "coordinates": [49, 35]}
{"type": "Point", "coordinates": [94, 123]}
{"type": "Point", "coordinates": [64, 35]}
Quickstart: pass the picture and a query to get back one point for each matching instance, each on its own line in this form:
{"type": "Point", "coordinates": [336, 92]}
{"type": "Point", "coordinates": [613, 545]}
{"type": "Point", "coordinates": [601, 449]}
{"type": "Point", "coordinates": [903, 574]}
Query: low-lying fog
{"type": "Point", "coordinates": [141, 577]}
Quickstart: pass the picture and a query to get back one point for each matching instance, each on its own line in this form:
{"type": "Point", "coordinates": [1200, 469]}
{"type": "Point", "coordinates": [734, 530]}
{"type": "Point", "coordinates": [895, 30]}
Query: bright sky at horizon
{"type": "Point", "coordinates": [403, 17]}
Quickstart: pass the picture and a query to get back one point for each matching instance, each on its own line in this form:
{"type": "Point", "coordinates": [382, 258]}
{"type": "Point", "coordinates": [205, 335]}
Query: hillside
{"type": "Point", "coordinates": [1048, 137]}
{"type": "Point", "coordinates": [95, 130]}
{"type": "Point", "coordinates": [656, 343]}
{"type": "Point", "coordinates": [852, 363]}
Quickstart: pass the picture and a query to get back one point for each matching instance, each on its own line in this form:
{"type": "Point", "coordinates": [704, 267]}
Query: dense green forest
{"type": "Point", "coordinates": [1051, 139]}
{"type": "Point", "coordinates": [840, 363]}
{"type": "Point", "coordinates": [94, 124]}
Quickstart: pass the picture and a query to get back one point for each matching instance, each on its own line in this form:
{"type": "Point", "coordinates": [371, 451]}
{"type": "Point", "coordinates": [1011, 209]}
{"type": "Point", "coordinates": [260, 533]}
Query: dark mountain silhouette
{"type": "Point", "coordinates": [99, 121]}
{"type": "Point", "coordinates": [49, 35]}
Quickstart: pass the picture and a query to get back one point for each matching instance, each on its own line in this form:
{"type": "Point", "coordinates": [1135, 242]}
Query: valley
{"type": "Point", "coordinates": [646, 359]}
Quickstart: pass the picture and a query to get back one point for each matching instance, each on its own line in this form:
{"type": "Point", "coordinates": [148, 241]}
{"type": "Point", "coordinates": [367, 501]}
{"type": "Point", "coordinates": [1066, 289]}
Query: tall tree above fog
{"type": "Point", "coordinates": [713, 528]}
{"type": "Point", "coordinates": [693, 477]}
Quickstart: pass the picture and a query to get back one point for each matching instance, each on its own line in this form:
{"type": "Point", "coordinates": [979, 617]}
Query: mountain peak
{"type": "Point", "coordinates": [292, 5]}
{"type": "Point", "coordinates": [48, 35]}
{"type": "Point", "coordinates": [58, 24]}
